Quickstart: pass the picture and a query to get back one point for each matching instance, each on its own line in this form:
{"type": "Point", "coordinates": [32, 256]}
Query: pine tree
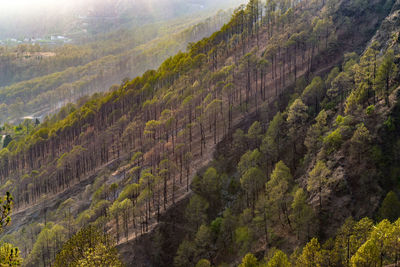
{"type": "Point", "coordinates": [249, 261]}
{"type": "Point", "coordinates": [203, 263]}
{"type": "Point", "coordinates": [301, 214]}
{"type": "Point", "coordinates": [273, 142]}
{"type": "Point", "coordinates": [314, 93]}
{"type": "Point", "coordinates": [315, 133]}
{"type": "Point", "coordinates": [278, 191]}
{"type": "Point", "coordinates": [360, 141]}
{"type": "Point", "coordinates": [9, 255]}
{"type": "Point", "coordinates": [386, 73]}
{"type": "Point", "coordinates": [339, 88]}
{"type": "Point", "coordinates": [318, 178]}
{"type": "Point", "coordinates": [278, 260]}
{"type": "Point", "coordinates": [196, 211]}
{"type": "Point", "coordinates": [297, 117]}
{"type": "Point", "coordinates": [100, 256]}
{"type": "Point", "coordinates": [390, 208]}
{"type": "Point", "coordinates": [311, 255]}
{"type": "Point", "coordinates": [367, 255]}
{"type": "Point", "coordinates": [252, 181]}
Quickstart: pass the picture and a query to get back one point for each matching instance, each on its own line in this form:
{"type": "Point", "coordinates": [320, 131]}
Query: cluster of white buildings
{"type": "Point", "coordinates": [53, 39]}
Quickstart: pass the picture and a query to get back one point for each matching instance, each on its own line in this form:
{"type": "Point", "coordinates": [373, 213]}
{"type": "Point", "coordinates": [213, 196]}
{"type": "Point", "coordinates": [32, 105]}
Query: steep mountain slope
{"type": "Point", "coordinates": [360, 185]}
{"type": "Point", "coordinates": [141, 144]}
{"type": "Point", "coordinates": [354, 188]}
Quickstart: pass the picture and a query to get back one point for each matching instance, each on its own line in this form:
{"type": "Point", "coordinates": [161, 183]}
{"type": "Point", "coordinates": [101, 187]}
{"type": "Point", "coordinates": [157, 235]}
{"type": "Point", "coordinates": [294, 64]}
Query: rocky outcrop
{"type": "Point", "coordinates": [388, 34]}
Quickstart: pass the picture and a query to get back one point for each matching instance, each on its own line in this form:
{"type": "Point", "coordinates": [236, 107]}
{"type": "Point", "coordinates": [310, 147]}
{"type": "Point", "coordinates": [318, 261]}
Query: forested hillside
{"type": "Point", "coordinates": [39, 80]}
{"type": "Point", "coordinates": [273, 142]}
